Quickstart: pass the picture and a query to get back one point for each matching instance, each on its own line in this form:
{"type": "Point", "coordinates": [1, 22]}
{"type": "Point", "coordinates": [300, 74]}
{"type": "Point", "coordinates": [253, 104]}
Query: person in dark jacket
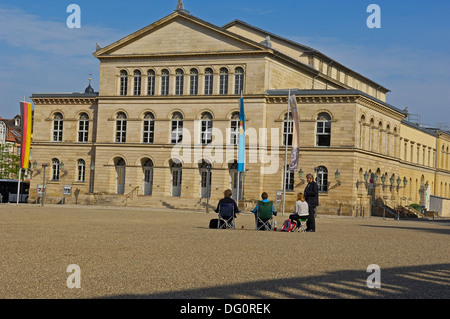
{"type": "Point", "coordinates": [312, 198]}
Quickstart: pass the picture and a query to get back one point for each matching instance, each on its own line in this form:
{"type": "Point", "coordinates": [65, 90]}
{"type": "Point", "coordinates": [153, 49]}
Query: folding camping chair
{"type": "Point", "coordinates": [264, 215]}
{"type": "Point", "coordinates": [301, 224]}
{"type": "Point", "coordinates": [226, 216]}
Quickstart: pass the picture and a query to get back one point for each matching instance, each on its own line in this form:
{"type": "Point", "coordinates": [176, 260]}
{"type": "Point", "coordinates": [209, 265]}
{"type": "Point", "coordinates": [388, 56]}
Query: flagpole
{"type": "Point", "coordinates": [20, 164]}
{"type": "Point", "coordinates": [285, 154]}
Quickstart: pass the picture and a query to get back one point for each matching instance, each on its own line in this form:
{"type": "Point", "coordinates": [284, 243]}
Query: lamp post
{"type": "Point", "coordinates": [44, 166]}
{"type": "Point", "coordinates": [337, 175]}
{"type": "Point", "coordinates": [300, 176]}
{"type": "Point", "coordinates": [91, 183]}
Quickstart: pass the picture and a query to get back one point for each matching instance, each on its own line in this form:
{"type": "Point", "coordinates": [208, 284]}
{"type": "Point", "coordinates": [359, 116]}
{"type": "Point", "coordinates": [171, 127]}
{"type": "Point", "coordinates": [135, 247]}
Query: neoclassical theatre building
{"type": "Point", "coordinates": [163, 128]}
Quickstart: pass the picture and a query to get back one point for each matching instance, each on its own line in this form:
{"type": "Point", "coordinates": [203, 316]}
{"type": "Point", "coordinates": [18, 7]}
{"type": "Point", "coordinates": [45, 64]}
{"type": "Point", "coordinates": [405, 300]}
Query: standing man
{"type": "Point", "coordinates": [312, 198]}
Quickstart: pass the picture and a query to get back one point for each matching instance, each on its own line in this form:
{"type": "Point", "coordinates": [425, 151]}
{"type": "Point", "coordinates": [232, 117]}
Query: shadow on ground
{"type": "Point", "coordinates": [417, 282]}
{"type": "Point", "coordinates": [441, 230]}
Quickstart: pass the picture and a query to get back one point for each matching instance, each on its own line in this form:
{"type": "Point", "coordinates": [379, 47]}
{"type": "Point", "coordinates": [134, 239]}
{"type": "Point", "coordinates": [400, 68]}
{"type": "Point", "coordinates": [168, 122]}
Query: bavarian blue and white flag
{"type": "Point", "coordinates": [241, 150]}
{"type": "Point", "coordinates": [295, 134]}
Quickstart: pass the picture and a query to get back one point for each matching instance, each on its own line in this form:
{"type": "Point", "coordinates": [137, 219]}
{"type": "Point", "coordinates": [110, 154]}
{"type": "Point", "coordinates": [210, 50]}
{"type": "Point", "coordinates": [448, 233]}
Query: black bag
{"type": "Point", "coordinates": [214, 222]}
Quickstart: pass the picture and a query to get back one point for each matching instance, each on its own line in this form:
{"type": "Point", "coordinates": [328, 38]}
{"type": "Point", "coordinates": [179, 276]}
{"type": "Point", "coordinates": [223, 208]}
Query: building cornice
{"type": "Point", "coordinates": [334, 96]}
{"type": "Point", "coordinates": [64, 99]}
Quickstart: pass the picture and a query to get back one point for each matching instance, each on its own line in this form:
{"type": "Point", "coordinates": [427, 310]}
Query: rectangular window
{"type": "Point", "coordinates": [83, 131]}
{"type": "Point", "coordinates": [288, 179]}
{"type": "Point", "coordinates": [323, 133]}
{"type": "Point", "coordinates": [177, 131]}
{"type": "Point", "coordinates": [179, 84]}
{"type": "Point", "coordinates": [238, 83]}
{"type": "Point", "coordinates": [287, 132]}
{"type": "Point", "coordinates": [148, 134]}
{"type": "Point", "coordinates": [322, 179]}
{"type": "Point", "coordinates": [223, 89]}
{"type": "Point", "coordinates": [206, 129]}
{"type": "Point", "coordinates": [208, 83]}
{"type": "Point", "coordinates": [55, 170]}
{"type": "Point", "coordinates": [57, 130]}
{"type": "Point", "coordinates": [151, 84]}
{"type": "Point", "coordinates": [123, 84]}
{"type": "Point", "coordinates": [121, 131]}
{"type": "Point", "coordinates": [194, 84]}
{"type": "Point", "coordinates": [81, 171]}
{"type": "Point", "coordinates": [165, 85]}
{"type": "Point", "coordinates": [234, 133]}
{"type": "Point", "coordinates": [137, 85]}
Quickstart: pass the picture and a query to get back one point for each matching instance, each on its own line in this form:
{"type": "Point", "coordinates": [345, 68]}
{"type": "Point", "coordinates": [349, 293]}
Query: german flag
{"type": "Point", "coordinates": [25, 110]}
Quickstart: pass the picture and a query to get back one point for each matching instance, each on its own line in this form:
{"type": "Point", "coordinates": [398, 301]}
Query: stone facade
{"type": "Point", "coordinates": [117, 145]}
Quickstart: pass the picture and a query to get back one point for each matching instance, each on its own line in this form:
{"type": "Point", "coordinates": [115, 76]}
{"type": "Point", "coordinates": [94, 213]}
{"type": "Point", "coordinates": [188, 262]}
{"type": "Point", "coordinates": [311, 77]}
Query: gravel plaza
{"type": "Point", "coordinates": [133, 253]}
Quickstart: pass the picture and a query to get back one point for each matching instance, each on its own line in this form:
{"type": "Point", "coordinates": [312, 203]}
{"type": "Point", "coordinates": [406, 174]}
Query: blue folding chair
{"type": "Point", "coordinates": [226, 216]}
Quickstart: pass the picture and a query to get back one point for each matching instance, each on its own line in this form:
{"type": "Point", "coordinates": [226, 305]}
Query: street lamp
{"type": "Point", "coordinates": [300, 176]}
{"type": "Point", "coordinates": [366, 178]}
{"type": "Point", "coordinates": [38, 171]}
{"type": "Point", "coordinates": [44, 166]}
{"type": "Point", "coordinates": [337, 175]}
{"type": "Point", "coordinates": [91, 182]}
{"type": "Point", "coordinates": [61, 168]}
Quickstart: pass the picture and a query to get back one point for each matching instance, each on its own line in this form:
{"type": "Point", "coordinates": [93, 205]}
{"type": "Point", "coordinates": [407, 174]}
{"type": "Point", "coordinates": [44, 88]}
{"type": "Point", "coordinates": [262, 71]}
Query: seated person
{"type": "Point", "coordinates": [264, 197]}
{"type": "Point", "coordinates": [301, 209]}
{"type": "Point", "coordinates": [227, 200]}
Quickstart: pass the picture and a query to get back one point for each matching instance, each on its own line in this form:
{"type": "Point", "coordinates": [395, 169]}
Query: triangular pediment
{"type": "Point", "coordinates": [179, 33]}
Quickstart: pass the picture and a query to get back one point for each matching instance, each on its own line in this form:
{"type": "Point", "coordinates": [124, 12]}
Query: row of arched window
{"type": "Point", "coordinates": [323, 131]}
{"type": "Point", "coordinates": [146, 84]}
{"type": "Point", "coordinates": [55, 172]}
{"type": "Point", "coordinates": [377, 138]}
{"type": "Point", "coordinates": [320, 177]}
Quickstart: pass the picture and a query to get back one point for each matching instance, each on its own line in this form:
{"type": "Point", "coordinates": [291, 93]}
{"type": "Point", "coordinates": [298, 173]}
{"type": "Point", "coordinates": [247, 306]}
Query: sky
{"type": "Point", "coordinates": [408, 53]}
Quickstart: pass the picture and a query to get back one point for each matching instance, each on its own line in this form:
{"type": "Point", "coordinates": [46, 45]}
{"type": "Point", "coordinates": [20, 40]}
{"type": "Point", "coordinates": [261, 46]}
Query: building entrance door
{"type": "Point", "coordinates": [176, 172]}
{"type": "Point", "coordinates": [120, 176]}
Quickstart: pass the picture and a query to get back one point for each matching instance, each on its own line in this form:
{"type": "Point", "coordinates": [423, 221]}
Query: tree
{"type": "Point", "coordinates": [9, 162]}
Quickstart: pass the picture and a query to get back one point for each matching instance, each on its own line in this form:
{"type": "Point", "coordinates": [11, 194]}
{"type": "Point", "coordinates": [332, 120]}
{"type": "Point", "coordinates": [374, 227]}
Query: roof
{"type": "Point", "coordinates": [303, 47]}
{"type": "Point", "coordinates": [13, 134]}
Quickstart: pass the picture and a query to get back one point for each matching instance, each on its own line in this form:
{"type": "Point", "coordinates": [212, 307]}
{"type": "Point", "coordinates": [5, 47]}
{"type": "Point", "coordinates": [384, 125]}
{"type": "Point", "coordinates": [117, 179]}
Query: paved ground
{"type": "Point", "coordinates": [151, 253]}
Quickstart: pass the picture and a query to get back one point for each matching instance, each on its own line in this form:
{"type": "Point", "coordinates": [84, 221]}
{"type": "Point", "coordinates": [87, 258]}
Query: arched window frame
{"type": "Point", "coordinates": [81, 170]}
{"type": "Point", "coordinates": [179, 81]}
{"type": "Point", "coordinates": [151, 83]}
{"type": "Point", "coordinates": [123, 83]}
{"type": "Point", "coordinates": [177, 128]}
{"type": "Point", "coordinates": [83, 128]}
{"type": "Point", "coordinates": [206, 128]}
{"type": "Point", "coordinates": [209, 80]}
{"type": "Point", "coordinates": [148, 128]}
{"type": "Point", "coordinates": [238, 80]}
{"type": "Point", "coordinates": [193, 81]}
{"type": "Point", "coordinates": [234, 128]}
{"type": "Point", "coordinates": [322, 178]}
{"type": "Point", "coordinates": [121, 127]}
{"type": "Point", "coordinates": [223, 81]}
{"type": "Point", "coordinates": [165, 76]}
{"type": "Point", "coordinates": [58, 120]}
{"type": "Point", "coordinates": [55, 169]}
{"type": "Point", "coordinates": [137, 79]}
